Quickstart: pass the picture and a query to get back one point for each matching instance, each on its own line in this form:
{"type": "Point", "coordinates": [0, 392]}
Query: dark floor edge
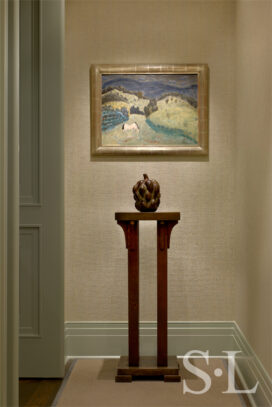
{"type": "Point", "coordinates": [64, 382]}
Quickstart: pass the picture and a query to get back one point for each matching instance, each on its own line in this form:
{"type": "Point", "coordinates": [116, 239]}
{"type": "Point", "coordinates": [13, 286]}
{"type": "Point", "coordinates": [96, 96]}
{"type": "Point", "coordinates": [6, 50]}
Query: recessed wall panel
{"type": "Point", "coordinates": [29, 280]}
{"type": "Point", "coordinates": [29, 103]}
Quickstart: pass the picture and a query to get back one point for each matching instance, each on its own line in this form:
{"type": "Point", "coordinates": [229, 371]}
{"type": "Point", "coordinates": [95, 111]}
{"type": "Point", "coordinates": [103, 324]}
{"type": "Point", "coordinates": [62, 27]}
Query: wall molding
{"type": "Point", "coordinates": [104, 339]}
{"type": "Point", "coordinates": [110, 338]}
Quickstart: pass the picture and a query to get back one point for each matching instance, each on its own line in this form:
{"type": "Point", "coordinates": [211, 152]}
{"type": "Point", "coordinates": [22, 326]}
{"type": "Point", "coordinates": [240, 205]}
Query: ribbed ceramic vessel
{"type": "Point", "coordinates": [147, 194]}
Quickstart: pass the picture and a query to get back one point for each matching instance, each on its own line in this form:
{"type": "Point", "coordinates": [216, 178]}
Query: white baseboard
{"type": "Point", "coordinates": [251, 370]}
{"type": "Point", "coordinates": [94, 339]}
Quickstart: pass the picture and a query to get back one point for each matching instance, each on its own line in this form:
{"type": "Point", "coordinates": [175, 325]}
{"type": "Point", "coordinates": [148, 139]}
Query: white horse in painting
{"type": "Point", "coordinates": [132, 126]}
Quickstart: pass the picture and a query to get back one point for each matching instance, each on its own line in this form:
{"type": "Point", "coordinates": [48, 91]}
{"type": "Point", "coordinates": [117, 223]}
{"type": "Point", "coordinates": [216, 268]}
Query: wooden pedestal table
{"type": "Point", "coordinates": [132, 366]}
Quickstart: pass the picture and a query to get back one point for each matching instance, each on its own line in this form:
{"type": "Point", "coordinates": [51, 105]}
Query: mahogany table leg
{"type": "Point", "coordinates": [164, 229]}
{"type": "Point", "coordinates": [131, 230]}
{"type": "Point", "coordinates": [162, 294]}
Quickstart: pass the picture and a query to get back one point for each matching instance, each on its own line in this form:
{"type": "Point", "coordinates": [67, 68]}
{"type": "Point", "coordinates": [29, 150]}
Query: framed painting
{"type": "Point", "coordinates": [149, 109]}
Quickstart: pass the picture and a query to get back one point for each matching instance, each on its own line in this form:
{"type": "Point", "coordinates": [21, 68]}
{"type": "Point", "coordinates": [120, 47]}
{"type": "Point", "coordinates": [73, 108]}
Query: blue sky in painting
{"type": "Point", "coordinates": [154, 86]}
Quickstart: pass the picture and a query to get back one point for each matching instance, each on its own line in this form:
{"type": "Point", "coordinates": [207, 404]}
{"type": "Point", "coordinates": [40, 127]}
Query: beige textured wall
{"type": "Point", "coordinates": [254, 174]}
{"type": "Point", "coordinates": [203, 255]}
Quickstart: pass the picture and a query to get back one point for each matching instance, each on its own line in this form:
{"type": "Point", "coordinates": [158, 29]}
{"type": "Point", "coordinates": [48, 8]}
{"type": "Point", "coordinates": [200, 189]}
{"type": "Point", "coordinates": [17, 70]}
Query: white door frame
{"type": "Point", "coordinates": [3, 206]}
{"type": "Point", "coordinates": [41, 345]}
{"type": "Point", "coordinates": [9, 202]}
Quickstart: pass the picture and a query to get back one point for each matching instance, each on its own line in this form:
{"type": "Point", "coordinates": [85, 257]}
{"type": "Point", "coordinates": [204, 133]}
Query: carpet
{"type": "Point", "coordinates": [91, 383]}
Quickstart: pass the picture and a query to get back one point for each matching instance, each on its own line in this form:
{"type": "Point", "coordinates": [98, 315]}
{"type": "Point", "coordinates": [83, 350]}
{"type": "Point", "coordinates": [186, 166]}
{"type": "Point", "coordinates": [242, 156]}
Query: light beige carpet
{"type": "Point", "coordinates": [91, 383]}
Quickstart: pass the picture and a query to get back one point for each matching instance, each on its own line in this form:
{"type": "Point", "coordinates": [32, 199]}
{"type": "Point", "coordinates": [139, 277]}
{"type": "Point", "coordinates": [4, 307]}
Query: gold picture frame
{"type": "Point", "coordinates": [149, 110]}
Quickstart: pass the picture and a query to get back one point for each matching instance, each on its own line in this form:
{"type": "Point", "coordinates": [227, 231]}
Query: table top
{"type": "Point", "coordinates": [147, 216]}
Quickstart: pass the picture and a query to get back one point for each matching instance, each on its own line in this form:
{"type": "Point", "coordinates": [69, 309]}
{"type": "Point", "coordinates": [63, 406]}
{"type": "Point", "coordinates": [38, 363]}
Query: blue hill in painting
{"type": "Point", "coordinates": [154, 86]}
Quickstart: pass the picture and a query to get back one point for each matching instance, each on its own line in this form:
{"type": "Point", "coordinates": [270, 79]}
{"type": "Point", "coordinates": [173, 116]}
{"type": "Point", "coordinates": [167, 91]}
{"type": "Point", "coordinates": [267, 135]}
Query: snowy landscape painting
{"type": "Point", "coordinates": [148, 109]}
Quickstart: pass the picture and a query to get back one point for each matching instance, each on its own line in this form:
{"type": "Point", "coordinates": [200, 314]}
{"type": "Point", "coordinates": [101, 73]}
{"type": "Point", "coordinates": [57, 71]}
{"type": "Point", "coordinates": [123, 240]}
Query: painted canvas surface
{"type": "Point", "coordinates": [149, 109]}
